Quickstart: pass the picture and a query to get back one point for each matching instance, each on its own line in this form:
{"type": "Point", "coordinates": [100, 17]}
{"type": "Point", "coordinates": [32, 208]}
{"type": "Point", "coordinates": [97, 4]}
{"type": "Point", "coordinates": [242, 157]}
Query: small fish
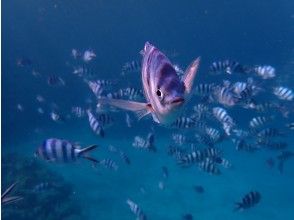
{"type": "Point", "coordinates": [225, 96]}
{"type": "Point", "coordinates": [124, 157]}
{"type": "Point", "coordinates": [187, 217]}
{"type": "Point", "coordinates": [176, 152]}
{"type": "Point", "coordinates": [164, 91]}
{"type": "Point", "coordinates": [199, 189]}
{"type": "Point", "coordinates": [78, 111]}
{"type": "Point", "coordinates": [248, 201]}
{"type": "Point", "coordinates": [23, 62]}
{"type": "Point", "coordinates": [75, 53]}
{"type": "Point", "coordinates": [54, 80]}
{"type": "Point", "coordinates": [183, 122]}
{"type": "Point", "coordinates": [265, 72]}
{"type": "Point", "coordinates": [88, 55]}
{"type": "Point", "coordinates": [209, 167]}
{"type": "Point", "coordinates": [142, 143]}
{"type": "Point", "coordinates": [242, 145]}
{"type": "Point", "coordinates": [270, 162]}
{"type": "Point", "coordinates": [268, 132]}
{"type": "Point", "coordinates": [179, 139]}
{"type": "Point", "coordinates": [40, 98]}
{"type": "Point", "coordinates": [105, 119]}
{"type": "Point", "coordinates": [228, 67]}
{"type": "Point", "coordinates": [109, 164]}
{"type": "Point", "coordinates": [58, 150]}
{"type": "Point", "coordinates": [43, 186]}
{"type": "Point", "coordinates": [165, 173]}
{"type": "Point", "coordinates": [222, 116]}
{"type": "Point", "coordinates": [161, 185]}
{"type": "Point", "coordinates": [133, 93]}
{"type": "Point", "coordinates": [95, 124]}
{"type": "Point", "coordinates": [204, 89]}
{"type": "Point", "coordinates": [40, 110]}
{"type": "Point", "coordinates": [214, 134]}
{"type": "Point", "coordinates": [56, 117]}
{"type": "Point", "coordinates": [5, 199]}
{"type": "Point", "coordinates": [19, 107]}
{"type": "Point", "coordinates": [129, 121]}
{"type": "Point", "coordinates": [290, 125]}
{"type": "Point", "coordinates": [284, 93]}
{"type": "Point", "coordinates": [132, 66]}
{"type": "Point", "coordinates": [191, 158]}
{"type": "Point", "coordinates": [96, 88]}
{"type": "Point", "coordinates": [136, 210]}
{"type": "Point", "coordinates": [258, 122]}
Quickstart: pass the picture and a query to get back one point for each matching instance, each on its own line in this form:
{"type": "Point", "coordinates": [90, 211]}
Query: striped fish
{"type": "Point", "coordinates": [142, 143]}
{"type": "Point", "coordinates": [222, 116]}
{"type": "Point", "coordinates": [225, 96]}
{"type": "Point", "coordinates": [204, 89]}
{"type": "Point", "coordinates": [248, 201]}
{"type": "Point", "coordinates": [109, 164]}
{"type": "Point", "coordinates": [58, 150]}
{"type": "Point", "coordinates": [284, 93]}
{"type": "Point", "coordinates": [228, 67]}
{"type": "Point", "coordinates": [209, 166]}
{"type": "Point", "coordinates": [265, 72]}
{"type": "Point", "coordinates": [95, 124]}
{"type": "Point", "coordinates": [136, 210]}
{"type": "Point", "coordinates": [191, 158]}
{"type": "Point", "coordinates": [132, 66]}
{"type": "Point", "coordinates": [183, 122]}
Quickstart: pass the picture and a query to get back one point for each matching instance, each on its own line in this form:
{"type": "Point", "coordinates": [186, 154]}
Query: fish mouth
{"type": "Point", "coordinates": [177, 101]}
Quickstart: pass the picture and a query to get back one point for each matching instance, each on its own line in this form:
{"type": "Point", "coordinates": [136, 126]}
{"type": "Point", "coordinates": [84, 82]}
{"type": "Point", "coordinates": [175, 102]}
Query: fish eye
{"type": "Point", "coordinates": [159, 93]}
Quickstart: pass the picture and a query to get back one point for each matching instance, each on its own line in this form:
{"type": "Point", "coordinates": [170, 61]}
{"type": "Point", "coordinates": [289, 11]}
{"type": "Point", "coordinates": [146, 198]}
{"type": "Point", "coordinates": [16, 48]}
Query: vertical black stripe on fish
{"type": "Point", "coordinates": [64, 151]}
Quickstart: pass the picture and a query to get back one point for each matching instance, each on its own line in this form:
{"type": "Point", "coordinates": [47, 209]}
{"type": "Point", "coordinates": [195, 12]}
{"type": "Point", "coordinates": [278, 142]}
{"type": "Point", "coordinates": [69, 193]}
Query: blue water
{"type": "Point", "coordinates": [45, 32]}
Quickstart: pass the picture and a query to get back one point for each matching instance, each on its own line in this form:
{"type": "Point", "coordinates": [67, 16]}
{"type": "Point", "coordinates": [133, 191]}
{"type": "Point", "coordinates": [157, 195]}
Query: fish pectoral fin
{"type": "Point", "coordinates": [123, 104]}
{"type": "Point", "coordinates": [145, 111]}
{"type": "Point", "coordinates": [190, 74]}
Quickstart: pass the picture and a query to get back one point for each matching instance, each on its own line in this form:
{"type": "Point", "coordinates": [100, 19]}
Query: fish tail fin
{"type": "Point", "coordinates": [190, 74]}
{"type": "Point", "coordinates": [87, 149]}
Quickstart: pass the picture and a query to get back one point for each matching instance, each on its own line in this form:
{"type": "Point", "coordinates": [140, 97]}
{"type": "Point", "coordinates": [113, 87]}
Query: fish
{"type": "Point", "coordinates": [228, 67]}
{"type": "Point", "coordinates": [204, 89]}
{"type": "Point", "coordinates": [105, 119]}
{"type": "Point", "coordinates": [191, 158]}
{"type": "Point", "coordinates": [63, 151]}
{"type": "Point", "coordinates": [54, 80]}
{"type": "Point", "coordinates": [78, 111]}
{"type": "Point", "coordinates": [164, 91]}
{"type": "Point", "coordinates": [165, 172]}
{"type": "Point", "coordinates": [199, 189]}
{"type": "Point", "coordinates": [96, 88]}
{"type": "Point", "coordinates": [265, 71]}
{"type": "Point", "coordinates": [283, 93]}
{"type": "Point", "coordinates": [142, 143]}
{"type": "Point", "coordinates": [75, 53]}
{"type": "Point", "coordinates": [290, 125]}
{"type": "Point", "coordinates": [88, 56]}
{"type": "Point", "coordinates": [209, 167]}
{"type": "Point", "coordinates": [95, 124]}
{"type": "Point", "coordinates": [187, 217]}
{"type": "Point", "coordinates": [40, 110]}
{"type": "Point", "coordinates": [24, 62]}
{"type": "Point", "coordinates": [225, 96]}
{"type": "Point", "coordinates": [124, 157]}
{"type": "Point", "coordinates": [249, 200]}
{"type": "Point", "coordinates": [222, 116]}
{"type": "Point", "coordinates": [179, 139]}
{"type": "Point", "coordinates": [183, 122]}
{"type": "Point", "coordinates": [269, 132]}
{"type": "Point", "coordinates": [136, 210]}
{"type": "Point", "coordinates": [20, 107]}
{"type": "Point", "coordinates": [109, 164]}
{"type": "Point", "coordinates": [132, 66]}
{"type": "Point", "coordinates": [129, 121]}
{"type": "Point", "coordinates": [6, 199]}
{"type": "Point", "coordinates": [56, 117]}
{"type": "Point", "coordinates": [43, 187]}
{"type": "Point", "coordinates": [40, 98]}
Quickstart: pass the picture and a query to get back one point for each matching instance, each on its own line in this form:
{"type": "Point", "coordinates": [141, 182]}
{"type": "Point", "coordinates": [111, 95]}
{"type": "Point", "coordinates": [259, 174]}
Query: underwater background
{"type": "Point", "coordinates": [37, 42]}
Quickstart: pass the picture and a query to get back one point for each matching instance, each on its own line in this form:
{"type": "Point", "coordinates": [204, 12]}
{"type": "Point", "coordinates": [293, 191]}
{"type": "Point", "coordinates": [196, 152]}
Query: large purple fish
{"type": "Point", "coordinates": [164, 91]}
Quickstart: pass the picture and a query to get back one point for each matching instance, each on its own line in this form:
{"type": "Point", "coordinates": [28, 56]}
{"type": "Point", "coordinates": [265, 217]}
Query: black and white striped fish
{"type": "Point", "coordinates": [136, 210]}
{"type": "Point", "coordinates": [78, 111]}
{"type": "Point", "coordinates": [191, 158]}
{"type": "Point", "coordinates": [290, 125]}
{"type": "Point", "coordinates": [269, 132]}
{"type": "Point", "coordinates": [183, 122]}
{"type": "Point", "coordinates": [96, 88]}
{"type": "Point", "coordinates": [214, 134]}
{"type": "Point", "coordinates": [132, 66]}
{"type": "Point", "coordinates": [204, 89]}
{"type": "Point", "coordinates": [142, 143]}
{"type": "Point", "coordinates": [201, 112]}
{"type": "Point", "coordinates": [241, 144]}
{"type": "Point", "coordinates": [176, 152]}
{"type": "Point", "coordinates": [222, 116]}
{"type": "Point", "coordinates": [58, 150]}
{"type": "Point", "coordinates": [95, 124]}
{"type": "Point", "coordinates": [124, 157]}
{"type": "Point", "coordinates": [54, 80]}
{"type": "Point", "coordinates": [265, 72]}
{"type": "Point", "coordinates": [133, 93]}
{"type": "Point", "coordinates": [209, 166]}
{"type": "Point", "coordinates": [248, 201]}
{"type": "Point", "coordinates": [179, 139]}
{"type": "Point", "coordinates": [225, 96]}
{"type": "Point", "coordinates": [284, 93]}
{"type": "Point", "coordinates": [105, 119]}
{"type": "Point", "coordinates": [204, 139]}
{"type": "Point", "coordinates": [109, 164]}
{"type": "Point", "coordinates": [228, 67]}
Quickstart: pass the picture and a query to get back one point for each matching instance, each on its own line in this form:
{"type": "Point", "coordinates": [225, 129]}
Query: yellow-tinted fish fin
{"type": "Point", "coordinates": [190, 75]}
{"type": "Point", "coordinates": [123, 104]}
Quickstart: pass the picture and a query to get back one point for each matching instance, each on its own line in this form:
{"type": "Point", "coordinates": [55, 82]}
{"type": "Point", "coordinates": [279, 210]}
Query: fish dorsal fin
{"type": "Point", "coordinates": [190, 74]}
